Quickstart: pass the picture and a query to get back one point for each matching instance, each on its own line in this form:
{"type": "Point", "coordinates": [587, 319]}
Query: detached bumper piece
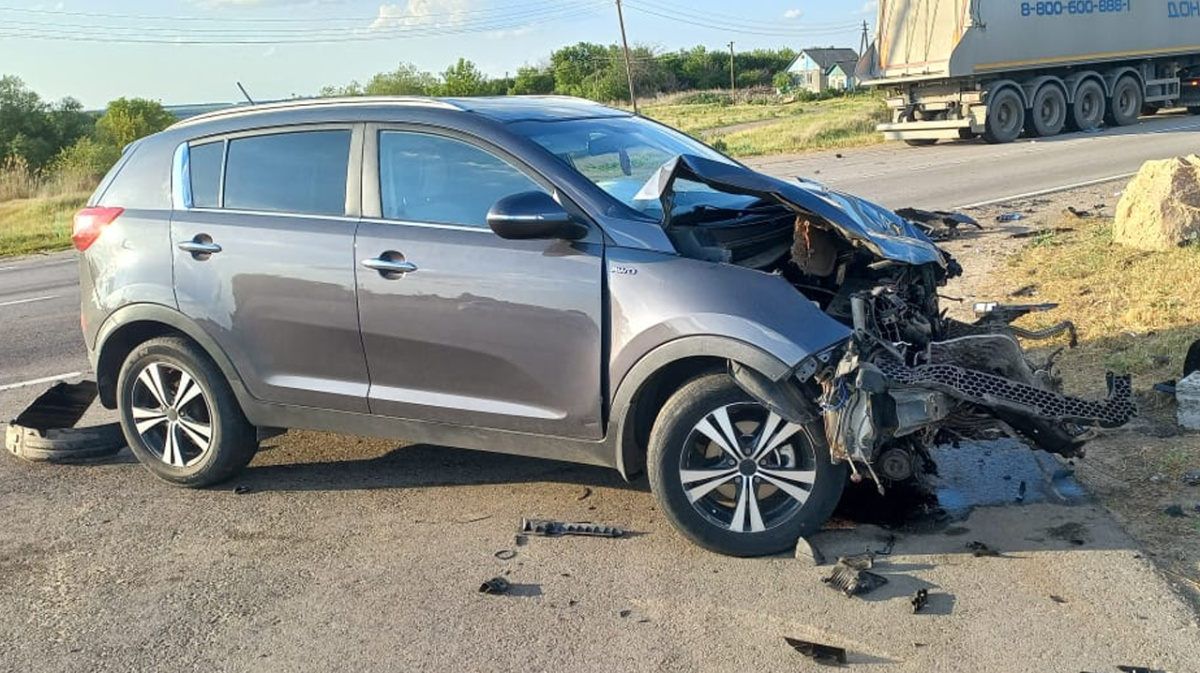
{"type": "Point", "coordinates": [46, 432]}
{"type": "Point", "coordinates": [548, 528]}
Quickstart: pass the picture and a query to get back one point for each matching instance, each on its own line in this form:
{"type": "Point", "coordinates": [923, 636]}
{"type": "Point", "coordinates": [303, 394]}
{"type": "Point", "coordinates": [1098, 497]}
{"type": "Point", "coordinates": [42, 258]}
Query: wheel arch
{"type": "Point", "coordinates": [661, 372]}
{"type": "Point", "coordinates": [1075, 81]}
{"type": "Point", "coordinates": [1002, 84]}
{"type": "Point", "coordinates": [132, 325]}
{"type": "Point", "coordinates": [1113, 76]}
{"type": "Point", "coordinates": [1031, 88]}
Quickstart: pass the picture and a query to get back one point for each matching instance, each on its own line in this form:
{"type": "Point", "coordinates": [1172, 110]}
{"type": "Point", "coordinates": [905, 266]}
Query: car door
{"type": "Point", "coordinates": [472, 329]}
{"type": "Point", "coordinates": [264, 259]}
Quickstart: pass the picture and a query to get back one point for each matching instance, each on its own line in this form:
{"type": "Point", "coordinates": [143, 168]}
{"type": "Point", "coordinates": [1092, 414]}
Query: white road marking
{"type": "Point", "coordinates": [1049, 190]}
{"type": "Point", "coordinates": [28, 301]}
{"type": "Point", "coordinates": [34, 382]}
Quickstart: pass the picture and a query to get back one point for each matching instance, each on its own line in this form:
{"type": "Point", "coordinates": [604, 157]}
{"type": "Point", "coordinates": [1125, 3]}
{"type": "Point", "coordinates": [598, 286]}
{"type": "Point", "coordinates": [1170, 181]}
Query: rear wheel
{"type": "Point", "coordinates": [180, 416]}
{"type": "Point", "coordinates": [1005, 116]}
{"type": "Point", "coordinates": [1088, 110]}
{"type": "Point", "coordinates": [1048, 114]}
{"type": "Point", "coordinates": [733, 476]}
{"type": "Point", "coordinates": [1126, 103]}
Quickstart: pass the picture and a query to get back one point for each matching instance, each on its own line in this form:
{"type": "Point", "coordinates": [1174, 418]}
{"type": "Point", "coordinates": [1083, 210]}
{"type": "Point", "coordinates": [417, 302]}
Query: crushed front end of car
{"type": "Point", "coordinates": [909, 377]}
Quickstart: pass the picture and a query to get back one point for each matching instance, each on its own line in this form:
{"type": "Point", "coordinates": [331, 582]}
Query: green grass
{"type": "Point", "coordinates": [38, 224]}
{"type": "Point", "coordinates": [793, 127]}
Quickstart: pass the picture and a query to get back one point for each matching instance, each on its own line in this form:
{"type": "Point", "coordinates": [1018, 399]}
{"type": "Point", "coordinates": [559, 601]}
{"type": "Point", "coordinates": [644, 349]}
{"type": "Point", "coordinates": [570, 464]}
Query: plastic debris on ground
{"type": "Point", "coordinates": [822, 654]}
{"type": "Point", "coordinates": [1192, 478]}
{"type": "Point", "coordinates": [1175, 511]}
{"type": "Point", "coordinates": [852, 577]}
{"type": "Point", "coordinates": [920, 601]}
{"type": "Point", "coordinates": [45, 431]}
{"type": "Point", "coordinates": [979, 549]}
{"type": "Point", "coordinates": [496, 585]}
{"type": "Point", "coordinates": [1010, 217]}
{"type": "Point", "coordinates": [551, 528]}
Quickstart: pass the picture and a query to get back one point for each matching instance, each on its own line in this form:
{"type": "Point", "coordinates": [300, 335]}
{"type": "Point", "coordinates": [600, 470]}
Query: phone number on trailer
{"type": "Point", "coordinates": [1074, 7]}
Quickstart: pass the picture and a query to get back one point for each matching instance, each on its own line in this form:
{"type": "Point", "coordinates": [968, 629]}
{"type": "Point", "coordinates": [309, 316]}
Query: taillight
{"type": "Point", "coordinates": [90, 223]}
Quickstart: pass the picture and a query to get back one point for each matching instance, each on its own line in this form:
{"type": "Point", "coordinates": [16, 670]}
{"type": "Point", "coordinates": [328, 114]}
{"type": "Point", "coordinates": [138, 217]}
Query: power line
{"type": "Point", "coordinates": [704, 22]}
{"type": "Point", "coordinates": [137, 35]}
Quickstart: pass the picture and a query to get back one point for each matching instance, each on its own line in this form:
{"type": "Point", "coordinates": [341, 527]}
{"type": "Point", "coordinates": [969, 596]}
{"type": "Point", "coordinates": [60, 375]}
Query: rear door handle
{"type": "Point", "coordinates": [389, 268]}
{"type": "Point", "coordinates": [201, 247]}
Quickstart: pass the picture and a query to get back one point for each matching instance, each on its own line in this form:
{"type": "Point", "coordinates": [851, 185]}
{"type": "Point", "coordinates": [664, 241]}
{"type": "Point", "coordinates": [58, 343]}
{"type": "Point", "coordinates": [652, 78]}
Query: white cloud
{"type": "Point", "coordinates": [868, 7]}
{"type": "Point", "coordinates": [793, 14]}
{"type": "Point", "coordinates": [421, 13]}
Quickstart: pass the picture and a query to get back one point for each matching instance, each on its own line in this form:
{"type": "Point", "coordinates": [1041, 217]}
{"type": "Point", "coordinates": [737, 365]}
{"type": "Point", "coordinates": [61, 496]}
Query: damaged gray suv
{"type": "Point", "coordinates": [546, 277]}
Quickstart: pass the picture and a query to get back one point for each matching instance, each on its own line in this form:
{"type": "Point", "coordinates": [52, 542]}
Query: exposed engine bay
{"type": "Point", "coordinates": [909, 377]}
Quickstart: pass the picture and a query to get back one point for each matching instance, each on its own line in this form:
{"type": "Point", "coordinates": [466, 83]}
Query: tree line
{"type": "Point", "coordinates": [588, 70]}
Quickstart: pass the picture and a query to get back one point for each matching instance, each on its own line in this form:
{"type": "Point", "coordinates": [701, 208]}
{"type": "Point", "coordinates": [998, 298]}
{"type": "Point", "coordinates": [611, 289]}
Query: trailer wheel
{"type": "Point", "coordinates": [1048, 114]}
{"type": "Point", "coordinates": [1088, 110]}
{"type": "Point", "coordinates": [1126, 103]}
{"type": "Point", "coordinates": [1005, 117]}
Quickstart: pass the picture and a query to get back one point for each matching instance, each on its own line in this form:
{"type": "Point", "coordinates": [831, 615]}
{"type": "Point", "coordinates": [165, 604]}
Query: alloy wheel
{"type": "Point", "coordinates": [171, 414]}
{"type": "Point", "coordinates": [746, 469]}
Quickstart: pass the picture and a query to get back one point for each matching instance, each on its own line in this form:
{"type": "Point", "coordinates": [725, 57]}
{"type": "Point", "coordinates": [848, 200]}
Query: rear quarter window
{"type": "Point", "coordinates": [298, 172]}
{"type": "Point", "coordinates": [204, 169]}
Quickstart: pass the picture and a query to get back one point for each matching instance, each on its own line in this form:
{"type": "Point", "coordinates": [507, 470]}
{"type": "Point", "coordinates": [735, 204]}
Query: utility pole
{"type": "Point", "coordinates": [628, 67]}
{"type": "Point", "coordinates": [732, 78]}
{"type": "Point", "coordinates": [863, 44]}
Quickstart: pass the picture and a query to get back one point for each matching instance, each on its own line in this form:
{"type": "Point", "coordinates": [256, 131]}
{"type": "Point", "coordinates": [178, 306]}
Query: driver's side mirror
{"type": "Point", "coordinates": [533, 216]}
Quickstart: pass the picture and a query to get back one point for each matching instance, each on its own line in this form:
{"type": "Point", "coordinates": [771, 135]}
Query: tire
{"type": "Point", "coordinates": [692, 436]}
{"type": "Point", "coordinates": [1088, 109]}
{"type": "Point", "coordinates": [1125, 106]}
{"type": "Point", "coordinates": [921, 142]}
{"type": "Point", "coordinates": [167, 433]}
{"type": "Point", "coordinates": [1005, 117]}
{"type": "Point", "coordinates": [1048, 113]}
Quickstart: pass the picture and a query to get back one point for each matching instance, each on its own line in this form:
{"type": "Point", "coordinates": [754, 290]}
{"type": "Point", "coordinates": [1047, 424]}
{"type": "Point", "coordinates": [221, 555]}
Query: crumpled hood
{"type": "Point", "coordinates": [862, 223]}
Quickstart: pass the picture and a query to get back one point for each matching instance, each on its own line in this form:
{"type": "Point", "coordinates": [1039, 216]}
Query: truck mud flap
{"type": "Point", "coordinates": [46, 432]}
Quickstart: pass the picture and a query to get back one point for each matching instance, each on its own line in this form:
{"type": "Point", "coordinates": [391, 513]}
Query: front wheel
{"type": "Point", "coordinates": [733, 476]}
{"type": "Point", "coordinates": [180, 416]}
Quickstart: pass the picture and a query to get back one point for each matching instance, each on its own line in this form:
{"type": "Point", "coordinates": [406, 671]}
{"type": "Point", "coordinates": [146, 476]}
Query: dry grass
{"type": "Point", "coordinates": [41, 224]}
{"type": "Point", "coordinates": [840, 122]}
{"type": "Point", "coordinates": [1136, 310]}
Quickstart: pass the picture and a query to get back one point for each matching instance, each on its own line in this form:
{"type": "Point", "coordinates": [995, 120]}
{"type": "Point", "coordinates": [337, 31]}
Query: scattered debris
{"type": "Point", "coordinates": [979, 549]}
{"type": "Point", "coordinates": [839, 156]}
{"type": "Point", "coordinates": [1058, 599]}
{"type": "Point", "coordinates": [1192, 478]}
{"type": "Point", "coordinates": [587, 493]}
{"type": "Point", "coordinates": [625, 613]}
{"type": "Point", "coordinates": [1024, 291]}
{"type": "Point", "coordinates": [888, 547]}
{"type": "Point", "coordinates": [920, 601]}
{"type": "Point", "coordinates": [822, 654]}
{"type": "Point", "coordinates": [807, 551]}
{"type": "Point", "coordinates": [1078, 214]}
{"type": "Point", "coordinates": [520, 540]}
{"type": "Point", "coordinates": [1160, 360]}
{"type": "Point", "coordinates": [549, 528]}
{"type": "Point", "coordinates": [506, 554]}
{"type": "Point", "coordinates": [1021, 491]}
{"type": "Point", "coordinates": [851, 577]}
{"type": "Point", "coordinates": [938, 224]}
{"type": "Point", "coordinates": [1175, 511]}
{"type": "Point", "coordinates": [1013, 216]}
{"type": "Point", "coordinates": [241, 490]}
{"type": "Point", "coordinates": [45, 431]}
{"type": "Point", "coordinates": [1138, 669]}
{"type": "Point", "coordinates": [496, 585]}
{"type": "Point", "coordinates": [1158, 478]}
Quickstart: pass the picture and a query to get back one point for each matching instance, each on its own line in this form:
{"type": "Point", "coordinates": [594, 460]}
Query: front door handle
{"type": "Point", "coordinates": [201, 247]}
{"type": "Point", "coordinates": [390, 265]}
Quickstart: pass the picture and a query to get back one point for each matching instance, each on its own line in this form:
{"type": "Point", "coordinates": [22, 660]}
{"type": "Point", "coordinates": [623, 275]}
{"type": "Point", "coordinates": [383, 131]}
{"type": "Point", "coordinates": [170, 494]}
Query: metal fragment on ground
{"type": "Point", "coordinates": [1175, 511]}
{"type": "Point", "coordinates": [920, 601]}
{"type": "Point", "coordinates": [979, 549]}
{"type": "Point", "coordinates": [1192, 478]}
{"type": "Point", "coordinates": [505, 554]}
{"type": "Point", "coordinates": [822, 654]}
{"type": "Point", "coordinates": [551, 528]}
{"type": "Point", "coordinates": [852, 578]}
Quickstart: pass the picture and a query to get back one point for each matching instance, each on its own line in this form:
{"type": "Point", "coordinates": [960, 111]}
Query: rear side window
{"type": "Point", "coordinates": [302, 172]}
{"type": "Point", "coordinates": [204, 165]}
{"type": "Point", "coordinates": [427, 178]}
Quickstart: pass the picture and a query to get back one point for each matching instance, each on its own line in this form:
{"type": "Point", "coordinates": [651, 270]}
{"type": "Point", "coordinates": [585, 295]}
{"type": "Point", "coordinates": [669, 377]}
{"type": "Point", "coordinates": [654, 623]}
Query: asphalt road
{"type": "Point", "coordinates": [956, 174]}
{"type": "Point", "coordinates": [351, 554]}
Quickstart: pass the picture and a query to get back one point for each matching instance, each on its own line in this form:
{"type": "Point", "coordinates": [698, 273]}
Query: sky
{"type": "Point", "coordinates": [194, 51]}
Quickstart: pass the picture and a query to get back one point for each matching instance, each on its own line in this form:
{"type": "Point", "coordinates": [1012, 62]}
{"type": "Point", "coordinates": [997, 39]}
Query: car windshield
{"type": "Point", "coordinates": [619, 154]}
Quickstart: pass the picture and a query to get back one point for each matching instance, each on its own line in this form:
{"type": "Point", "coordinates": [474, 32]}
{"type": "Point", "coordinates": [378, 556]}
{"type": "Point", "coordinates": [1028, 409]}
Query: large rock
{"type": "Point", "coordinates": [1160, 208]}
